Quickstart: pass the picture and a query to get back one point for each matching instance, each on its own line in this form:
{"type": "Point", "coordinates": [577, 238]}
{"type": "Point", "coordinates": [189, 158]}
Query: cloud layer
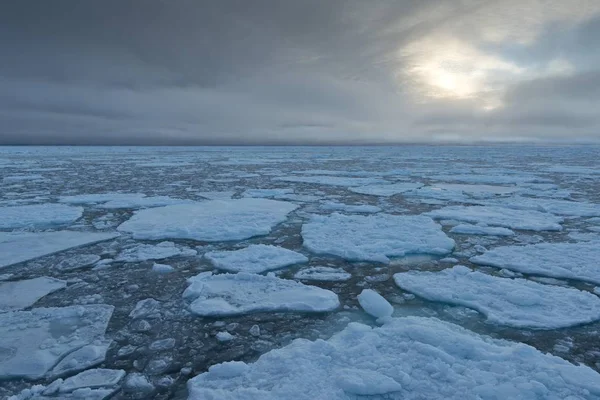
{"type": "Point", "coordinates": [314, 72]}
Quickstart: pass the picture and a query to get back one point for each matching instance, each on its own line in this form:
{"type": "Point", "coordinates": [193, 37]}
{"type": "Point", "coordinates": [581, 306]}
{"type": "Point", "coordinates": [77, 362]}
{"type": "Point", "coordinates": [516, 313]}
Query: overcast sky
{"type": "Point", "coordinates": [298, 71]}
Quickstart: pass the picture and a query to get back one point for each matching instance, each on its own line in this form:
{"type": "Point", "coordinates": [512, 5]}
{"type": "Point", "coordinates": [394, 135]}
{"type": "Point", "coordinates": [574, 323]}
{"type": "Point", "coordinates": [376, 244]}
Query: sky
{"type": "Point", "coordinates": [171, 72]}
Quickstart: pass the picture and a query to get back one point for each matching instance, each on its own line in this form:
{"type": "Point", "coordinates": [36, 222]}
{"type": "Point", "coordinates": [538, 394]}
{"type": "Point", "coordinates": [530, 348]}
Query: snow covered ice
{"type": "Point", "coordinates": [232, 294]}
{"type": "Point", "coordinates": [556, 260]}
{"type": "Point", "coordinates": [209, 221]}
{"type": "Point", "coordinates": [500, 216]}
{"type": "Point", "coordinates": [407, 358]}
{"type": "Point", "coordinates": [255, 258]}
{"type": "Point", "coordinates": [374, 238]}
{"type": "Point", "coordinates": [514, 302]}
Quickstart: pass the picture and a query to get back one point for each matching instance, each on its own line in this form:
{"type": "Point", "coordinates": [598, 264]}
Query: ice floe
{"type": "Point", "coordinates": [213, 220]}
{"type": "Point", "coordinates": [500, 216]}
{"type": "Point", "coordinates": [350, 208]}
{"type": "Point", "coordinates": [160, 251]}
{"type": "Point", "coordinates": [35, 343]}
{"type": "Point", "coordinates": [375, 237]}
{"type": "Point", "coordinates": [386, 190]}
{"type": "Point", "coordinates": [267, 192]}
{"type": "Point", "coordinates": [556, 260]}
{"type": "Point", "coordinates": [518, 303]}
{"type": "Point", "coordinates": [553, 206]}
{"type": "Point", "coordinates": [17, 295]}
{"type": "Point", "coordinates": [407, 358]}
{"type": "Point", "coordinates": [468, 229]}
{"type": "Point", "coordinates": [255, 258]}
{"type": "Point", "coordinates": [38, 216]}
{"type": "Point", "coordinates": [242, 293]}
{"type": "Point", "coordinates": [323, 274]}
{"type": "Point", "coordinates": [16, 247]}
{"type": "Point", "coordinates": [226, 195]}
{"type": "Point", "coordinates": [375, 304]}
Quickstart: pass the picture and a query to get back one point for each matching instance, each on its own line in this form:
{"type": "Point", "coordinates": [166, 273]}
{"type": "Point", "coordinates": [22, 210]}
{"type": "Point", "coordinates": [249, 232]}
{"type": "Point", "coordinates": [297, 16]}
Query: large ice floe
{"type": "Point", "coordinates": [386, 190]}
{"type": "Point", "coordinates": [18, 295]}
{"type": "Point", "coordinates": [16, 247]}
{"type": "Point", "coordinates": [518, 303]}
{"type": "Point", "coordinates": [243, 293]}
{"type": "Point", "coordinates": [52, 341]}
{"type": "Point", "coordinates": [578, 261]}
{"type": "Point", "coordinates": [255, 258]}
{"type": "Point", "coordinates": [407, 358]}
{"type": "Point", "coordinates": [38, 216]}
{"type": "Point", "coordinates": [374, 238]}
{"type": "Point", "coordinates": [213, 220]}
{"type": "Point", "coordinates": [500, 216]}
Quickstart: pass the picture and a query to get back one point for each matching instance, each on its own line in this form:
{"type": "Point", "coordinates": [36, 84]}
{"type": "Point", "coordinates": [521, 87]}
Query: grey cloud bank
{"type": "Point", "coordinates": [314, 72]}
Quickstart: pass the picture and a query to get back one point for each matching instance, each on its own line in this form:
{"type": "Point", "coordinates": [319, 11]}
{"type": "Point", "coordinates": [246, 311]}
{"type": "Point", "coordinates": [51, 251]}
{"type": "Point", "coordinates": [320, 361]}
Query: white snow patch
{"type": "Point", "coordinates": [255, 258]}
{"type": "Point", "coordinates": [18, 295]}
{"type": "Point", "coordinates": [407, 358]}
{"type": "Point", "coordinates": [519, 303]}
{"type": "Point", "coordinates": [16, 247]}
{"type": "Point", "coordinates": [376, 237]}
{"type": "Point", "coordinates": [242, 293]}
{"type": "Point", "coordinates": [556, 260]}
{"type": "Point", "coordinates": [500, 216]}
{"type": "Point", "coordinates": [213, 220]}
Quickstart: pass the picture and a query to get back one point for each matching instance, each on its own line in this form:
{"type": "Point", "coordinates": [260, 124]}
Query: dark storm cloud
{"type": "Point", "coordinates": [267, 71]}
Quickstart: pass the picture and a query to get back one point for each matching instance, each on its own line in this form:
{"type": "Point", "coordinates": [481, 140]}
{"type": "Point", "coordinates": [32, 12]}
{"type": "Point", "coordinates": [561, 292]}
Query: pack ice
{"type": "Point", "coordinates": [243, 293]}
{"type": "Point", "coordinates": [122, 200]}
{"type": "Point", "coordinates": [16, 247]}
{"type": "Point", "coordinates": [210, 221]}
{"type": "Point", "coordinates": [52, 341]}
{"type": "Point", "coordinates": [38, 216]}
{"type": "Point", "coordinates": [519, 303]}
{"type": "Point", "coordinates": [374, 237]}
{"type": "Point", "coordinates": [407, 358]}
{"type": "Point", "coordinates": [500, 216]}
{"type": "Point", "coordinates": [255, 258]}
{"type": "Point", "coordinates": [557, 260]}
